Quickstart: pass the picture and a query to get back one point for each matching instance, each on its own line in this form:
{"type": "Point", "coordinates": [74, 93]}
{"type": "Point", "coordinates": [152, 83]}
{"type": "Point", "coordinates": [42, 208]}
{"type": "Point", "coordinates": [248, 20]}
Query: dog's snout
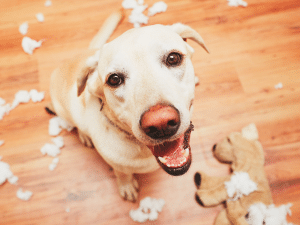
{"type": "Point", "coordinates": [160, 121]}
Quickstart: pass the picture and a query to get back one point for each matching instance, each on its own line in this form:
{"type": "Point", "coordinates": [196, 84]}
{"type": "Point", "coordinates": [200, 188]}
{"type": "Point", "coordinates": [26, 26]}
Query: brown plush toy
{"type": "Point", "coordinates": [247, 185]}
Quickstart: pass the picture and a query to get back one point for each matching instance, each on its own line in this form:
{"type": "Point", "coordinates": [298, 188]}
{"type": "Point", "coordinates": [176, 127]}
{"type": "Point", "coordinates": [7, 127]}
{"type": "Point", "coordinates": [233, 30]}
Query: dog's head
{"type": "Point", "coordinates": [145, 79]}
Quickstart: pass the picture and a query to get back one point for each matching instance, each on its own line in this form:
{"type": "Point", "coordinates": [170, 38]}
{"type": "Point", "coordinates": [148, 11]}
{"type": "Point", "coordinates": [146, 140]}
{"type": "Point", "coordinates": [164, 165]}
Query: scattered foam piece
{"type": "Point", "coordinates": [25, 196]}
{"type": "Point", "coordinates": [158, 7]}
{"type": "Point", "coordinates": [68, 210]}
{"type": "Point", "coordinates": [23, 28]}
{"type": "Point", "coordinates": [20, 97]}
{"type": "Point", "coordinates": [50, 149]}
{"type": "Point", "coordinates": [29, 45]}
{"type": "Point", "coordinates": [13, 179]}
{"type": "Point", "coordinates": [250, 132]}
{"type": "Point", "coordinates": [236, 3]}
{"type": "Point", "coordinates": [148, 210]}
{"type": "Point", "coordinates": [4, 110]}
{"type": "Point", "coordinates": [40, 17]}
{"type": "Point", "coordinates": [137, 17]}
{"type": "Point", "coordinates": [36, 96]}
{"type": "Point", "coordinates": [240, 184]}
{"type": "Point", "coordinates": [53, 149]}
{"type": "Point", "coordinates": [278, 86]}
{"type": "Point", "coordinates": [1, 143]}
{"type": "Point", "coordinates": [269, 215]}
{"type": "Point", "coordinates": [56, 124]}
{"type": "Point", "coordinates": [48, 3]}
{"type": "Point", "coordinates": [129, 4]}
{"type": "Point", "coordinates": [2, 101]}
{"type": "Point", "coordinates": [58, 141]}
{"type": "Point", "coordinates": [6, 174]}
{"type": "Point", "coordinates": [54, 163]}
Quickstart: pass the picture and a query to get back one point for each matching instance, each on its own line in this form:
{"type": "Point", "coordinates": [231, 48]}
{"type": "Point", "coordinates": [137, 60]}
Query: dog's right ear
{"type": "Point", "coordinates": [87, 70]}
{"type": "Point", "coordinates": [187, 32]}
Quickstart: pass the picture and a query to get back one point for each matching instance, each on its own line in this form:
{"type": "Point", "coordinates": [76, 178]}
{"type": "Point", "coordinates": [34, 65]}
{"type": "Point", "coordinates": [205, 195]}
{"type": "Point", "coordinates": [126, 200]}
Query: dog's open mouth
{"type": "Point", "coordinates": [175, 157]}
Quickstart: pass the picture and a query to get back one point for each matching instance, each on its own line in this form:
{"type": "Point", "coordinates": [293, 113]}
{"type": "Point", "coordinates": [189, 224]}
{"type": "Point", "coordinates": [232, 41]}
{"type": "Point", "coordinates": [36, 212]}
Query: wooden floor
{"type": "Point", "coordinates": [252, 50]}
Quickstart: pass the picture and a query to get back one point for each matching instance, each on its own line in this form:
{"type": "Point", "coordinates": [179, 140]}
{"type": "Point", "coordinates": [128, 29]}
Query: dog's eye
{"type": "Point", "coordinates": [174, 59]}
{"type": "Point", "coordinates": [115, 80]}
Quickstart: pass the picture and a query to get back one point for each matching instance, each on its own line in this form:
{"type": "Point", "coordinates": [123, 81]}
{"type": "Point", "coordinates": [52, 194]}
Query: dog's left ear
{"type": "Point", "coordinates": [187, 32]}
{"type": "Point", "coordinates": [87, 72]}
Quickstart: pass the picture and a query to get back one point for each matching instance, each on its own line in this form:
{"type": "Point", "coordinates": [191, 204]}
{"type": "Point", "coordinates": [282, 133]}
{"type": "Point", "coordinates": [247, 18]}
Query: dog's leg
{"type": "Point", "coordinates": [128, 186]}
{"type": "Point", "coordinates": [86, 140]}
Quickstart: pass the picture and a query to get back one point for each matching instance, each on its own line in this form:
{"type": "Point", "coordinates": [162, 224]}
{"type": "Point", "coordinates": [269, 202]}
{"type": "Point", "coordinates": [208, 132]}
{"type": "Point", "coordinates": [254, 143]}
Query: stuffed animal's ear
{"type": "Point", "coordinates": [187, 32]}
{"type": "Point", "coordinates": [87, 70]}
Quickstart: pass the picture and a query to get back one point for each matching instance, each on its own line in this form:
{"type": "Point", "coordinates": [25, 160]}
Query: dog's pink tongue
{"type": "Point", "coordinates": [171, 151]}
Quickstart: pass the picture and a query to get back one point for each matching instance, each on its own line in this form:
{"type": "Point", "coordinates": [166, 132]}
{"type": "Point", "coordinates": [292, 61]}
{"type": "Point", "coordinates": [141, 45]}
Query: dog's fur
{"type": "Point", "coordinates": [108, 118]}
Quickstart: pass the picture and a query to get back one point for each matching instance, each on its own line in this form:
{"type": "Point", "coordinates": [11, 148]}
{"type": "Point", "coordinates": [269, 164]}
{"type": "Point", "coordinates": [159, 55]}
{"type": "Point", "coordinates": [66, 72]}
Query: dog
{"type": "Point", "coordinates": [132, 99]}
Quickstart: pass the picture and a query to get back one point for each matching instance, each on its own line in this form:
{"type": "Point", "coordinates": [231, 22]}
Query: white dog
{"type": "Point", "coordinates": [132, 99]}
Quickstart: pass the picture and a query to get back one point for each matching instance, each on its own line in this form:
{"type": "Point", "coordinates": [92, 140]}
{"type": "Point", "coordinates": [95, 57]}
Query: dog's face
{"type": "Point", "coordinates": [145, 78]}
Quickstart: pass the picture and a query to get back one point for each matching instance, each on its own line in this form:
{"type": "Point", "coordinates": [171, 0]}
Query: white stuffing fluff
{"type": "Point", "coordinates": [129, 4]}
{"type": "Point", "coordinates": [6, 174]}
{"type": "Point", "coordinates": [29, 45]}
{"type": "Point", "coordinates": [137, 17]}
{"type": "Point", "coordinates": [53, 149]}
{"type": "Point", "coordinates": [25, 196]}
{"type": "Point", "coordinates": [250, 132]}
{"type": "Point", "coordinates": [48, 3]}
{"type": "Point", "coordinates": [1, 143]}
{"type": "Point", "coordinates": [54, 163]}
{"type": "Point", "coordinates": [56, 124]}
{"type": "Point", "coordinates": [13, 180]}
{"type": "Point", "coordinates": [259, 214]}
{"type": "Point", "coordinates": [148, 210]}
{"type": "Point", "coordinates": [158, 7]}
{"type": "Point", "coordinates": [278, 86]}
{"type": "Point", "coordinates": [36, 96]}
{"type": "Point", "coordinates": [23, 28]}
{"type": "Point", "coordinates": [239, 185]}
{"type": "Point", "coordinates": [58, 141]}
{"type": "Point", "coordinates": [40, 17]}
{"type": "Point", "coordinates": [2, 101]}
{"type": "Point", "coordinates": [4, 110]}
{"type": "Point", "coordinates": [20, 97]}
{"type": "Point", "coordinates": [236, 3]}
{"type": "Point", "coordinates": [50, 149]}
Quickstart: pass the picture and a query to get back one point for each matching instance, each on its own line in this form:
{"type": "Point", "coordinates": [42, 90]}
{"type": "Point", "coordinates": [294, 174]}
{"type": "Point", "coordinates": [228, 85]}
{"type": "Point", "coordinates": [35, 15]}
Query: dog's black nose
{"type": "Point", "coordinates": [160, 121]}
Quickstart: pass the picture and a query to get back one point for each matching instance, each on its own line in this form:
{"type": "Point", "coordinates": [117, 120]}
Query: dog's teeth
{"type": "Point", "coordinates": [186, 152]}
{"type": "Point", "coordinates": [163, 160]}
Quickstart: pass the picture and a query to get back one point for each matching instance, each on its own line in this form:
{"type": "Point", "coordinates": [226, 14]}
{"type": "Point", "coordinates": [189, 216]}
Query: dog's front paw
{"type": "Point", "coordinates": [129, 191]}
{"type": "Point", "coordinates": [86, 140]}
{"type": "Point", "coordinates": [128, 186]}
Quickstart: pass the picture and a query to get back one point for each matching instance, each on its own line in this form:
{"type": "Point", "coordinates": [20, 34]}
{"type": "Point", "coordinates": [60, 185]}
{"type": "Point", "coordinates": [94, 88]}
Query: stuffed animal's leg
{"type": "Point", "coordinates": [222, 218]}
{"type": "Point", "coordinates": [211, 190]}
{"type": "Point", "coordinates": [128, 186]}
{"type": "Point", "coordinates": [236, 213]}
